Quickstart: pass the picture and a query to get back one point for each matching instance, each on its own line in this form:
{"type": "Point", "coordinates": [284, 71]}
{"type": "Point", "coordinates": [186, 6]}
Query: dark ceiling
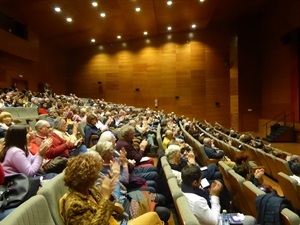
{"type": "Point", "coordinates": [122, 19]}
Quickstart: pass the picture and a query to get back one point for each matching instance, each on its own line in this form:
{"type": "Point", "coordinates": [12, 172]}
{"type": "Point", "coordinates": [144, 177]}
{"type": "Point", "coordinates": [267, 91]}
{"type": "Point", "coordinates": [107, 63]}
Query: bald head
{"type": "Point", "coordinates": [43, 128]}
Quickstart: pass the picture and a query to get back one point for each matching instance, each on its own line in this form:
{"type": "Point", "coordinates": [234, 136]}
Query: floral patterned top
{"type": "Point", "coordinates": [78, 209]}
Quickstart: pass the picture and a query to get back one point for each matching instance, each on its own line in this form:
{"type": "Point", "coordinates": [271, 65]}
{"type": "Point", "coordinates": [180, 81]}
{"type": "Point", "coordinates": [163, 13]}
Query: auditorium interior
{"type": "Point", "coordinates": [235, 62]}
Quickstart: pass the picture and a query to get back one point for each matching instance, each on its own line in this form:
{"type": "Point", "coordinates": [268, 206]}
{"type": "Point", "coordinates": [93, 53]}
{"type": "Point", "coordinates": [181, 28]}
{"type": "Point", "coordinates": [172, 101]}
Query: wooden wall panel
{"type": "Point", "coordinates": [49, 69]}
{"type": "Point", "coordinates": [192, 69]}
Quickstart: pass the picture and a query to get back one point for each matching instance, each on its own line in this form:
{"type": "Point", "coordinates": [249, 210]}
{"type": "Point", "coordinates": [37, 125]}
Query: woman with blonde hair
{"type": "Point", "coordinates": [87, 203]}
{"type": "Point", "coordinates": [6, 121]}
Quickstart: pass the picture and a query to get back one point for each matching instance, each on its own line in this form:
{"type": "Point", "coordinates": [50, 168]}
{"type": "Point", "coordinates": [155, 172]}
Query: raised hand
{"type": "Point", "coordinates": [45, 145]}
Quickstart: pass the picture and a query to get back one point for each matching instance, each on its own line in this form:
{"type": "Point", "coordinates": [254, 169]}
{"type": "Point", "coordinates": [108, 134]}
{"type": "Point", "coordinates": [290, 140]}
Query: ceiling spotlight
{"type": "Point", "coordinates": [69, 19]}
{"type": "Point", "coordinates": [103, 14]}
{"type": "Point", "coordinates": [201, 0]}
{"type": "Point", "coordinates": [119, 36]}
{"type": "Point", "coordinates": [145, 32]}
{"type": "Point", "coordinates": [57, 9]}
{"type": "Point", "coordinates": [169, 2]}
{"type": "Point", "coordinates": [194, 26]}
{"type": "Point", "coordinates": [95, 4]}
{"type": "Point", "coordinates": [93, 40]}
{"type": "Point", "coordinates": [137, 9]}
{"type": "Point", "coordinates": [169, 28]}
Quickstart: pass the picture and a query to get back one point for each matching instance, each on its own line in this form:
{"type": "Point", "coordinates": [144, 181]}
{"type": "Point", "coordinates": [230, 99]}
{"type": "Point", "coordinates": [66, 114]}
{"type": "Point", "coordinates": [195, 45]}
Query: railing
{"type": "Point", "coordinates": [281, 118]}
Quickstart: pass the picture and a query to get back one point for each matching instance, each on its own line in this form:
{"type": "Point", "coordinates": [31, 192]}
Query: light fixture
{"type": "Point", "coordinates": [145, 33]}
{"type": "Point", "coordinates": [169, 2]}
{"type": "Point", "coordinates": [169, 28]}
{"type": "Point", "coordinates": [93, 40]}
{"type": "Point", "coordinates": [102, 14]}
{"type": "Point", "coordinates": [69, 19]}
{"type": "Point", "coordinates": [137, 9]}
{"type": "Point", "coordinates": [201, 0]}
{"type": "Point", "coordinates": [194, 26]}
{"type": "Point", "coordinates": [119, 36]}
{"type": "Point", "coordinates": [57, 9]}
{"type": "Point", "coordinates": [95, 4]}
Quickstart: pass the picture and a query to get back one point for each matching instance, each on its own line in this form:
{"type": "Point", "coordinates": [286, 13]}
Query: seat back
{"type": "Point", "coordinates": [289, 188]}
{"type": "Point", "coordinates": [53, 190]}
{"type": "Point", "coordinates": [185, 214]}
{"type": "Point", "coordinates": [224, 168]}
{"type": "Point", "coordinates": [251, 192]}
{"type": "Point", "coordinates": [236, 182]}
{"type": "Point", "coordinates": [174, 189]}
{"type": "Point", "coordinates": [288, 217]}
{"type": "Point", "coordinates": [35, 211]}
{"type": "Point", "coordinates": [261, 155]}
{"type": "Point", "coordinates": [81, 126]}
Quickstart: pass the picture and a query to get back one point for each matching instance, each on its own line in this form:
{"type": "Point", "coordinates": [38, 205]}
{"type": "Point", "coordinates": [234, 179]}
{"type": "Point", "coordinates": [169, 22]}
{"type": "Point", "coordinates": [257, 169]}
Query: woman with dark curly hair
{"type": "Point", "coordinates": [87, 203]}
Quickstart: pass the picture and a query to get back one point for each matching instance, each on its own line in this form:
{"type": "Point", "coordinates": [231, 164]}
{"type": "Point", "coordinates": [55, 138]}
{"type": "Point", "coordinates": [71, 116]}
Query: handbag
{"type": "Point", "coordinates": [17, 189]}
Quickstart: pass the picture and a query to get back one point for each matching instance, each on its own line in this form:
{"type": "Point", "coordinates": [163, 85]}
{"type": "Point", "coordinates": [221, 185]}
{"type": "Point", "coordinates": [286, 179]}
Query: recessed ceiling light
{"type": "Point", "coordinates": [119, 36]}
{"type": "Point", "coordinates": [93, 40]}
{"type": "Point", "coordinates": [201, 0]}
{"type": "Point", "coordinates": [95, 4]}
{"type": "Point", "coordinates": [169, 2]}
{"type": "Point", "coordinates": [194, 26]}
{"type": "Point", "coordinates": [57, 9]}
{"type": "Point", "coordinates": [138, 9]}
{"type": "Point", "coordinates": [169, 28]}
{"type": "Point", "coordinates": [102, 14]}
{"type": "Point", "coordinates": [145, 32]}
{"type": "Point", "coordinates": [69, 19]}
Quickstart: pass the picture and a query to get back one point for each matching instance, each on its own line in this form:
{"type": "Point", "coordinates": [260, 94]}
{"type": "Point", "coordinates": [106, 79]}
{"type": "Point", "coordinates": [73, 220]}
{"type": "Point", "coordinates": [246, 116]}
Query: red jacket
{"type": "Point", "coordinates": [59, 147]}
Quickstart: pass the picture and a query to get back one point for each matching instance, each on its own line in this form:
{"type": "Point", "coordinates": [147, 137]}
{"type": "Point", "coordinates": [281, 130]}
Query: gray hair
{"type": "Point", "coordinates": [57, 123]}
{"type": "Point", "coordinates": [125, 131]}
{"type": "Point", "coordinates": [40, 124]}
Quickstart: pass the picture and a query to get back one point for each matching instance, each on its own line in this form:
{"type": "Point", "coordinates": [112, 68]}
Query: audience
{"type": "Point", "coordinates": [87, 203]}
{"type": "Point", "coordinates": [15, 156]}
{"type": "Point", "coordinates": [206, 209]}
{"type": "Point", "coordinates": [91, 132]}
{"type": "Point", "coordinates": [211, 151]}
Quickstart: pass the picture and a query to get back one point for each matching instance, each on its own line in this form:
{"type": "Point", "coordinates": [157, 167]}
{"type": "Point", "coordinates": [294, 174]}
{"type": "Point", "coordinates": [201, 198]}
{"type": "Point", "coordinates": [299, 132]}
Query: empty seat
{"type": "Point", "coordinates": [238, 197]}
{"type": "Point", "coordinates": [289, 189]}
{"type": "Point", "coordinates": [288, 217]}
{"type": "Point", "coordinates": [35, 211]}
{"type": "Point", "coordinates": [251, 192]}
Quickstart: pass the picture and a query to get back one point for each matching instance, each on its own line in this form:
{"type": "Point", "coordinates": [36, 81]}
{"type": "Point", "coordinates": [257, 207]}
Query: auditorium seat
{"type": "Point", "coordinates": [238, 197]}
{"type": "Point", "coordinates": [224, 168]}
{"type": "Point", "coordinates": [53, 190]}
{"type": "Point", "coordinates": [186, 216]}
{"type": "Point", "coordinates": [288, 217]}
{"type": "Point", "coordinates": [250, 193]}
{"type": "Point", "coordinates": [261, 155]}
{"type": "Point", "coordinates": [289, 189]}
{"type": "Point", "coordinates": [174, 189]}
{"type": "Point", "coordinates": [35, 211]}
{"type": "Point", "coordinates": [164, 161]}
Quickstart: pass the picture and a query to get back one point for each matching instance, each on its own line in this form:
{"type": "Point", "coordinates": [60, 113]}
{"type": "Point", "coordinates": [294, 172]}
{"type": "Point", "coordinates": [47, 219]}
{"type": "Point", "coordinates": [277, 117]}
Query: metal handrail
{"type": "Point", "coordinates": [283, 119]}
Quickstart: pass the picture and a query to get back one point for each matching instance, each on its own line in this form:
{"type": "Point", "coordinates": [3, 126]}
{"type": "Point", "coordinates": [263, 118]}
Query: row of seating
{"type": "Point", "coordinates": [242, 189]}
{"type": "Point", "coordinates": [185, 215]}
{"type": "Point", "coordinates": [272, 164]}
{"type": "Point", "coordinates": [238, 186]}
{"type": "Point", "coordinates": [198, 148]}
{"type": "Point", "coordinates": [26, 115]}
{"type": "Point", "coordinates": [42, 208]}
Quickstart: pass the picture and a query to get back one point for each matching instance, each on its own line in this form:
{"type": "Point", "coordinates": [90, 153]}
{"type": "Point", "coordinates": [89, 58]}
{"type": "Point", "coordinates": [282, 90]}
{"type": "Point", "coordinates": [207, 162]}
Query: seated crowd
{"type": "Point", "coordinates": [115, 151]}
